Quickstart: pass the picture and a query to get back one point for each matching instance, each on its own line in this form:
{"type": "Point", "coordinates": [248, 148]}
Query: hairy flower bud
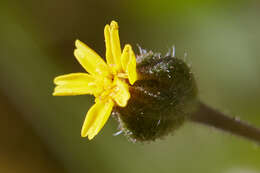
{"type": "Point", "coordinates": [161, 99]}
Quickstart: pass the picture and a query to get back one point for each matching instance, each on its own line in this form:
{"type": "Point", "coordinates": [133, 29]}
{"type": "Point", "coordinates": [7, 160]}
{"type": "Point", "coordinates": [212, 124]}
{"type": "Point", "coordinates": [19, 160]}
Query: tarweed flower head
{"type": "Point", "coordinates": [150, 95]}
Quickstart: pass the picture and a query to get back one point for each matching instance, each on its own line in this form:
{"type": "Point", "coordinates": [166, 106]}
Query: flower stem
{"type": "Point", "coordinates": [211, 117]}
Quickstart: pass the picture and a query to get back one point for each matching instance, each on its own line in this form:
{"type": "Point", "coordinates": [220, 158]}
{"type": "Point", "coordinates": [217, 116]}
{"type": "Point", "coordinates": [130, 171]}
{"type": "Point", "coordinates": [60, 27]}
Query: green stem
{"type": "Point", "coordinates": [211, 117]}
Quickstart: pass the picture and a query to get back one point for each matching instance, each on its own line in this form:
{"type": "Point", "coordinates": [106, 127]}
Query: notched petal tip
{"type": "Point", "coordinates": [56, 80]}
{"type": "Point", "coordinates": [83, 133]}
{"type": "Point", "coordinates": [80, 47]}
{"type": "Point", "coordinates": [128, 46]}
{"type": "Point", "coordinates": [114, 25]}
{"type": "Point", "coordinates": [78, 43]}
{"type": "Point", "coordinates": [90, 137]}
{"type": "Point", "coordinates": [107, 27]}
{"type": "Point", "coordinates": [55, 94]}
{"type": "Point", "coordinates": [78, 53]}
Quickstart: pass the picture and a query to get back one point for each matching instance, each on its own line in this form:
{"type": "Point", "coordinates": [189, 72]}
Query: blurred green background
{"type": "Point", "coordinates": [41, 133]}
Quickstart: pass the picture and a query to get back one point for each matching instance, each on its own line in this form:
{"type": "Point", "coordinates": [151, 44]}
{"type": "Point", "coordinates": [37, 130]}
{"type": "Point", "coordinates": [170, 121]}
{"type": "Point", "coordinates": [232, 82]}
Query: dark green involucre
{"type": "Point", "coordinates": [161, 99]}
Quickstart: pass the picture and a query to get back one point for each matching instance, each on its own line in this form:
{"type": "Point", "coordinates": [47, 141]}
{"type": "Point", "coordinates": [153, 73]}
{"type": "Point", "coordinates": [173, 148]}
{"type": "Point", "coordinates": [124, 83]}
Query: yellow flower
{"type": "Point", "coordinates": [108, 82]}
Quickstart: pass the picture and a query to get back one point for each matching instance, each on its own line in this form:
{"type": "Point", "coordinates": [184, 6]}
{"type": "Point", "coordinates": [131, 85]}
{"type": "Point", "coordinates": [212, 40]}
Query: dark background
{"type": "Point", "coordinates": [41, 133]}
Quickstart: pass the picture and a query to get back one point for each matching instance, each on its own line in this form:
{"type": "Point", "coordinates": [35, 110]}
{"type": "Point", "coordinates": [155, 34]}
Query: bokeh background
{"type": "Point", "coordinates": [41, 133]}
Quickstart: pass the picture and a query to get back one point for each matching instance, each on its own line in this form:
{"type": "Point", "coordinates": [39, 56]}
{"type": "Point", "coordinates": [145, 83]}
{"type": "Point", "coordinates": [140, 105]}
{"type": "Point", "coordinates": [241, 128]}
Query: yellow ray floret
{"type": "Point", "coordinates": [113, 48]}
{"type": "Point", "coordinates": [129, 63]}
{"type": "Point", "coordinates": [96, 117]}
{"type": "Point", "coordinates": [76, 84]}
{"type": "Point", "coordinates": [90, 60]}
{"type": "Point", "coordinates": [108, 82]}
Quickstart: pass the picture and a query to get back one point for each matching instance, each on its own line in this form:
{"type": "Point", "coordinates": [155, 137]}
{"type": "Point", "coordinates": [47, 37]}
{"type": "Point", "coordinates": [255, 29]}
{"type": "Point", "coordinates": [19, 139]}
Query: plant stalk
{"type": "Point", "coordinates": [211, 117]}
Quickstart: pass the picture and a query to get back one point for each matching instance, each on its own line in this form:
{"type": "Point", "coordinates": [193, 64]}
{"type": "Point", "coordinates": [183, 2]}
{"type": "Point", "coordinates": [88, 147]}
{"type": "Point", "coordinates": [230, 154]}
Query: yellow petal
{"type": "Point", "coordinates": [96, 118]}
{"type": "Point", "coordinates": [90, 60]}
{"type": "Point", "coordinates": [115, 46]}
{"type": "Point", "coordinates": [125, 57]}
{"type": "Point", "coordinates": [128, 62]}
{"type": "Point", "coordinates": [120, 93]}
{"type": "Point", "coordinates": [76, 84]}
{"type": "Point", "coordinates": [131, 68]}
{"type": "Point", "coordinates": [109, 56]}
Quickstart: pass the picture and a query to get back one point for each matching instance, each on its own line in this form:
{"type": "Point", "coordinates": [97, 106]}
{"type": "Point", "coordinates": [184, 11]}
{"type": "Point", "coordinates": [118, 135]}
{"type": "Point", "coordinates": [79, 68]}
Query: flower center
{"type": "Point", "coordinates": [111, 88]}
